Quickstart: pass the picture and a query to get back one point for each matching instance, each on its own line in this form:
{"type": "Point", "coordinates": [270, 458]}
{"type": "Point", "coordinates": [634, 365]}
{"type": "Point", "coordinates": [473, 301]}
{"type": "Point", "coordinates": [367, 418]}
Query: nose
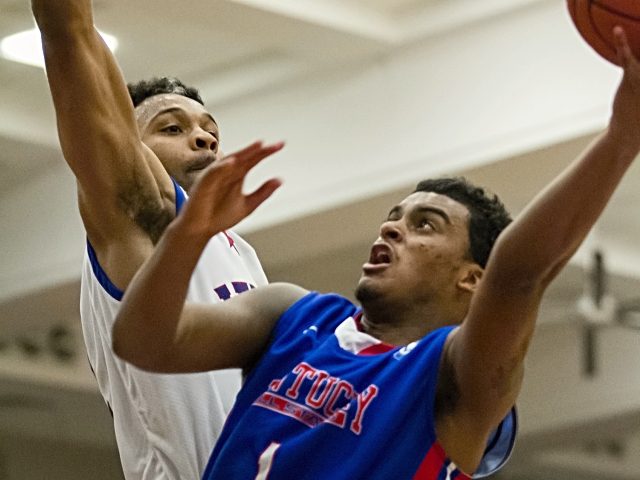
{"type": "Point", "coordinates": [202, 139]}
{"type": "Point", "coordinates": [390, 231]}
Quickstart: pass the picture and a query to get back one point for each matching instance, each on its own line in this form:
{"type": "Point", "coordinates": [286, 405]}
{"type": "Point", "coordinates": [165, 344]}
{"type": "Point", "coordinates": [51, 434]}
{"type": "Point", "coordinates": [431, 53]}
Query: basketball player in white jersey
{"type": "Point", "coordinates": [129, 163]}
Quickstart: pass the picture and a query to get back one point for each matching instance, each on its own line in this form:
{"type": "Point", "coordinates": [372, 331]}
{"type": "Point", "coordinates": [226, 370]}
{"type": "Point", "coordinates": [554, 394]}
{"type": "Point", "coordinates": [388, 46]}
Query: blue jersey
{"type": "Point", "coordinates": [327, 401]}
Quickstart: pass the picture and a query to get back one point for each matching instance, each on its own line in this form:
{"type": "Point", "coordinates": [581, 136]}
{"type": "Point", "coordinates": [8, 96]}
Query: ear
{"type": "Point", "coordinates": [470, 278]}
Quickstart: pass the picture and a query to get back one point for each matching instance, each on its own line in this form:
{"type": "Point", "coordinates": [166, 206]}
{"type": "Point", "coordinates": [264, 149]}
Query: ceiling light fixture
{"type": "Point", "coordinates": [26, 47]}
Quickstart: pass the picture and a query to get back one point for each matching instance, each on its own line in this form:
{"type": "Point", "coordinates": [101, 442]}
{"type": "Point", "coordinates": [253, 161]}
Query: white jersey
{"type": "Point", "coordinates": [165, 425]}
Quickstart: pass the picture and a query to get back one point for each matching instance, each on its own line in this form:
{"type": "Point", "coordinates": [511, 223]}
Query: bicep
{"type": "Point", "coordinates": [231, 334]}
{"type": "Point", "coordinates": [487, 352]}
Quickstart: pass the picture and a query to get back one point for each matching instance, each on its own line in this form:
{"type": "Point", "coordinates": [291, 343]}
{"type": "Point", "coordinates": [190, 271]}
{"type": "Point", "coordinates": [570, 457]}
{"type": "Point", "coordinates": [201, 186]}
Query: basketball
{"type": "Point", "coordinates": [595, 20]}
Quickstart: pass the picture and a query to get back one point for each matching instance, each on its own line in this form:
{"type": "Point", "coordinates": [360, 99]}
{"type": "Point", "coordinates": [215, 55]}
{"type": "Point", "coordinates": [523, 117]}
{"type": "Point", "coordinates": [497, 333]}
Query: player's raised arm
{"type": "Point", "coordinates": [154, 330]}
{"type": "Point", "coordinates": [96, 123]}
{"type": "Point", "coordinates": [487, 352]}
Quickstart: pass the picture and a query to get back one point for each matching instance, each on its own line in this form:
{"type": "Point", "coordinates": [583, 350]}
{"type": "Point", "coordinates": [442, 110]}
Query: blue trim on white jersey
{"type": "Point", "coordinates": [101, 275]}
{"type": "Point", "coordinates": [181, 197]}
{"type": "Point", "coordinates": [98, 271]}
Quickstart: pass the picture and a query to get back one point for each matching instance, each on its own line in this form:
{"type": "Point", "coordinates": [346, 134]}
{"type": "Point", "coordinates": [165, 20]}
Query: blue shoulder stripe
{"type": "Point", "coordinates": [180, 195]}
{"type": "Point", "coordinates": [101, 275]}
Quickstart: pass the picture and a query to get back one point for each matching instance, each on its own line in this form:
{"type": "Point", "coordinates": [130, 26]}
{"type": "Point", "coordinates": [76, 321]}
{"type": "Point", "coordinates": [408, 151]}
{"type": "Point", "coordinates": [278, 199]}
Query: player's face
{"type": "Point", "coordinates": [421, 253]}
{"type": "Point", "coordinates": [181, 133]}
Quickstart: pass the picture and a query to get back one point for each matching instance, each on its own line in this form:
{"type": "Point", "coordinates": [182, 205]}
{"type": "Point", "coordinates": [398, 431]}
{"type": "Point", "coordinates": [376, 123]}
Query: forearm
{"type": "Point", "coordinates": [550, 229]}
{"type": "Point", "coordinates": [147, 324]}
{"type": "Point", "coordinates": [95, 117]}
{"type": "Point", "coordinates": [56, 18]}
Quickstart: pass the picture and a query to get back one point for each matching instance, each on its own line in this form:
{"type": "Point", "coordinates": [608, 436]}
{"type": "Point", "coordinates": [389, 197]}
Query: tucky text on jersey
{"type": "Point", "coordinates": [328, 399]}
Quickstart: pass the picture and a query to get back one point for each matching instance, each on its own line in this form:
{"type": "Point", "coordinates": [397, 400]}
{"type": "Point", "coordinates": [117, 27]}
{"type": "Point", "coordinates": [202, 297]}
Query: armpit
{"type": "Point", "coordinates": [152, 213]}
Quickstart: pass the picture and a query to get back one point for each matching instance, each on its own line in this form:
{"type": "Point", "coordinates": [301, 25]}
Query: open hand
{"type": "Point", "coordinates": [217, 202]}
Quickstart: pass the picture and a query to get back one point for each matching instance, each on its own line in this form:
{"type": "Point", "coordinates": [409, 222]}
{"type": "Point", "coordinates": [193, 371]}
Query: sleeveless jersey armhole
{"type": "Point", "coordinates": [98, 271]}
{"type": "Point", "coordinates": [499, 446]}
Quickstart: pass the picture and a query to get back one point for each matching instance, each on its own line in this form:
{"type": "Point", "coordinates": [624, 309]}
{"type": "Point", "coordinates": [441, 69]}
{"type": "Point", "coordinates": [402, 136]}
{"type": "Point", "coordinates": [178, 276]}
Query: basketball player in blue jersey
{"type": "Point", "coordinates": [132, 167]}
{"type": "Point", "coordinates": [418, 383]}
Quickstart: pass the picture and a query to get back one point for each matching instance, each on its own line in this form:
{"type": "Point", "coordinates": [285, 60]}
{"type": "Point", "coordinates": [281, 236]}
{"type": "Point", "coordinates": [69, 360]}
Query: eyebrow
{"type": "Point", "coordinates": [437, 211]}
{"type": "Point", "coordinates": [425, 208]}
{"type": "Point", "coordinates": [181, 111]}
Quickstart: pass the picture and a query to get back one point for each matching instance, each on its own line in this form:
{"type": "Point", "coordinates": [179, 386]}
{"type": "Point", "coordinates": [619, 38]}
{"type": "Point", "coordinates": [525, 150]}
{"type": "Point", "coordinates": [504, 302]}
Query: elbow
{"type": "Point", "coordinates": [136, 356]}
{"type": "Point", "coordinates": [528, 278]}
{"type": "Point", "coordinates": [135, 350]}
{"type": "Point", "coordinates": [125, 346]}
{"type": "Point", "coordinates": [120, 344]}
{"type": "Point", "coordinates": [520, 271]}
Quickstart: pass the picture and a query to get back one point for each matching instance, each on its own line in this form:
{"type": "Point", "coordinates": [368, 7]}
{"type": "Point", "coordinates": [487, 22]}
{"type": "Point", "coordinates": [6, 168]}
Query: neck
{"type": "Point", "coordinates": [399, 326]}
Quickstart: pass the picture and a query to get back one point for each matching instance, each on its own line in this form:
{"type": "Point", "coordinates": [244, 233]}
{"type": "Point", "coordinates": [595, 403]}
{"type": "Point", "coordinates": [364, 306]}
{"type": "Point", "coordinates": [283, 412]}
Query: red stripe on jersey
{"type": "Point", "coordinates": [462, 476]}
{"type": "Point", "coordinates": [229, 239]}
{"type": "Point", "coordinates": [376, 349]}
{"type": "Point", "coordinates": [373, 349]}
{"type": "Point", "coordinates": [432, 464]}
{"type": "Point", "coordinates": [435, 464]}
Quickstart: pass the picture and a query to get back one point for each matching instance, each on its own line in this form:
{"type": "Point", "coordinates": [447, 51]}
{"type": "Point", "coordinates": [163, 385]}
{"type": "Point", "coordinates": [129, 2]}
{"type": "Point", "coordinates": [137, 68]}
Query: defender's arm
{"type": "Point", "coordinates": [155, 330]}
{"type": "Point", "coordinates": [98, 133]}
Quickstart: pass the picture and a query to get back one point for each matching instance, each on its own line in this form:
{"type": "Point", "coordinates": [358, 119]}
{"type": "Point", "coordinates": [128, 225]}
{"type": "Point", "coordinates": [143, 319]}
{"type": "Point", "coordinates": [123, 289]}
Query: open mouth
{"type": "Point", "coordinates": [380, 253]}
{"type": "Point", "coordinates": [380, 257]}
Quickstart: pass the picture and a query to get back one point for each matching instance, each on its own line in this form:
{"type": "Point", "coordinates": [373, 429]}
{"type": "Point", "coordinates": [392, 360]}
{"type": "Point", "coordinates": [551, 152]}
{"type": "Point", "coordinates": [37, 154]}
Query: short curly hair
{"type": "Point", "coordinates": [488, 215]}
{"type": "Point", "coordinates": [144, 89]}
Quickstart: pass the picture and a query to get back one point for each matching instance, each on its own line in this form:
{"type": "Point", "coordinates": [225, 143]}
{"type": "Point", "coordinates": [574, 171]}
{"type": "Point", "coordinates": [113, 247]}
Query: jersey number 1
{"type": "Point", "coordinates": [265, 461]}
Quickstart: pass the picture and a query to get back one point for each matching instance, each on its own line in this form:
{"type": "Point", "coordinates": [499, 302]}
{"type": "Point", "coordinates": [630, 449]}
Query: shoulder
{"type": "Point", "coordinates": [285, 291]}
{"type": "Point", "coordinates": [323, 311]}
{"type": "Point", "coordinates": [274, 299]}
{"type": "Point", "coordinates": [327, 303]}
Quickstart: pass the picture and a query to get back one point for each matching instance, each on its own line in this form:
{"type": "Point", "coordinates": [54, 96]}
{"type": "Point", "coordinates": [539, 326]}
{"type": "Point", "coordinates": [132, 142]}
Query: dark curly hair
{"type": "Point", "coordinates": [488, 215]}
{"type": "Point", "coordinates": [144, 89]}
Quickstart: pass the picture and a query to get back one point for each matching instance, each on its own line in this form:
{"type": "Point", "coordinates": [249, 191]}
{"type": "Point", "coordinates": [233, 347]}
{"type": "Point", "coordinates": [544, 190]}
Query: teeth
{"type": "Point", "coordinates": [378, 256]}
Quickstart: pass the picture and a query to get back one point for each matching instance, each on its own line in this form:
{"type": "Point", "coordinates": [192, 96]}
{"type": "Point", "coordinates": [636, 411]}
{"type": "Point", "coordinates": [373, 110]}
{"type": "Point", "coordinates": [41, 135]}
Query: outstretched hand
{"type": "Point", "coordinates": [217, 202]}
{"type": "Point", "coordinates": [625, 121]}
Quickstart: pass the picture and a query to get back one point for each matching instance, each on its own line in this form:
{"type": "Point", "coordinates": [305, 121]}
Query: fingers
{"type": "Point", "coordinates": [234, 167]}
{"type": "Point", "coordinates": [240, 163]}
{"type": "Point", "coordinates": [247, 150]}
{"type": "Point", "coordinates": [255, 199]}
{"type": "Point", "coordinates": [251, 159]}
{"type": "Point", "coordinates": [255, 152]}
{"type": "Point", "coordinates": [626, 58]}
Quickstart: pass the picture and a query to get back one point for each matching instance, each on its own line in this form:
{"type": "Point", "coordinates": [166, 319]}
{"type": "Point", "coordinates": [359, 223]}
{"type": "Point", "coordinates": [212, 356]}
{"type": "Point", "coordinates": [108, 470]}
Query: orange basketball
{"type": "Point", "coordinates": [595, 20]}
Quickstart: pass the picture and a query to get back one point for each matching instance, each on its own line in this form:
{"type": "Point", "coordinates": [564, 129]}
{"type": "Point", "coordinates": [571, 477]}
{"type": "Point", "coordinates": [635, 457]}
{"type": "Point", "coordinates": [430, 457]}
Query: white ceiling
{"type": "Point", "coordinates": [228, 48]}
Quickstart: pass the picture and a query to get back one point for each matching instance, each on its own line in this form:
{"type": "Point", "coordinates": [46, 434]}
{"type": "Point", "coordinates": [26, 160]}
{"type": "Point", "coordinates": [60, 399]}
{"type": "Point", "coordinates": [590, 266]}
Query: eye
{"type": "Point", "coordinates": [172, 129]}
{"type": "Point", "coordinates": [425, 223]}
{"type": "Point", "coordinates": [394, 215]}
